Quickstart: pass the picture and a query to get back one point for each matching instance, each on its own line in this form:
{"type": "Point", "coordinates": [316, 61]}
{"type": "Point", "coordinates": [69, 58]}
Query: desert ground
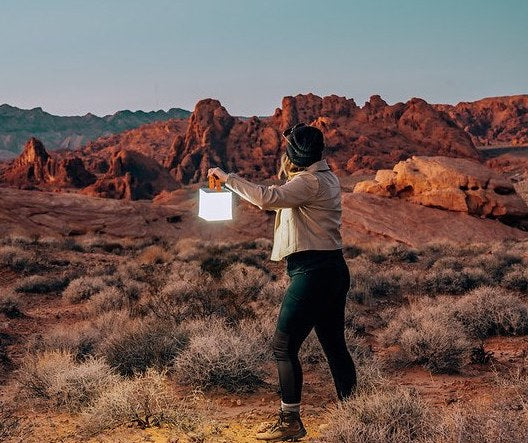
{"type": "Point", "coordinates": [136, 340]}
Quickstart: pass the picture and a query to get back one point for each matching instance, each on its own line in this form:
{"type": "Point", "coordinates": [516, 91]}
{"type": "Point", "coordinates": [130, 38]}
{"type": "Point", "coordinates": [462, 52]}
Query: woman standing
{"type": "Point", "coordinates": [307, 234]}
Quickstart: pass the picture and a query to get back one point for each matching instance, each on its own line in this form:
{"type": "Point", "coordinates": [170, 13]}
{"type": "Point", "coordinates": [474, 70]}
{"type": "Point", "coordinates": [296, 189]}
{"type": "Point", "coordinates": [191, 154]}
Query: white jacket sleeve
{"type": "Point", "coordinates": [295, 192]}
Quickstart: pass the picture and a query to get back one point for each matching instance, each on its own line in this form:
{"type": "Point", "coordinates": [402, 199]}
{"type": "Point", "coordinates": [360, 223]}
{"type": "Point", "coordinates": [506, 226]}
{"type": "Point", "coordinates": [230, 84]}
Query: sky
{"type": "Point", "coordinates": [71, 57]}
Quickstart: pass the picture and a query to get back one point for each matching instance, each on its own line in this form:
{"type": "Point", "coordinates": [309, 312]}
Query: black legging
{"type": "Point", "coordinates": [314, 299]}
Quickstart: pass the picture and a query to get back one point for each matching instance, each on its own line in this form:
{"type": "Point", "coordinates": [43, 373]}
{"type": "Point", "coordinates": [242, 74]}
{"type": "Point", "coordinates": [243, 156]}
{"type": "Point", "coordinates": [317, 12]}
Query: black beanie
{"type": "Point", "coordinates": [305, 144]}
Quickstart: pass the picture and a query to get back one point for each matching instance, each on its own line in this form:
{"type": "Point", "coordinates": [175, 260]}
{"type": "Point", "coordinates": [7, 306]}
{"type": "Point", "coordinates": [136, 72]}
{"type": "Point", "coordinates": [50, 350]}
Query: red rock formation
{"type": "Point", "coordinates": [493, 120]}
{"type": "Point", "coordinates": [357, 139]}
{"type": "Point", "coordinates": [454, 184]}
{"type": "Point", "coordinates": [35, 167]}
{"type": "Point", "coordinates": [204, 144]}
{"type": "Point", "coordinates": [132, 176]}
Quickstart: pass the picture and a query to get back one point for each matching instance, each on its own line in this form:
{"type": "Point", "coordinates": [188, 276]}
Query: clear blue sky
{"type": "Point", "coordinates": [76, 56]}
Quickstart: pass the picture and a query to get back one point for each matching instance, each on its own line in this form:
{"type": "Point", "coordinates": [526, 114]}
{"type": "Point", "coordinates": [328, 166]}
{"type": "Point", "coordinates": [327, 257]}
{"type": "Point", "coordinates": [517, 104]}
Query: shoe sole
{"type": "Point", "coordinates": [295, 437]}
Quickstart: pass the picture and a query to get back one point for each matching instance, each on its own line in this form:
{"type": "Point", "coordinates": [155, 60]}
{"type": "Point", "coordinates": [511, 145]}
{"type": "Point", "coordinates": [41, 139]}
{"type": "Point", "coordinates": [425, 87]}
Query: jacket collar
{"type": "Point", "coordinates": [320, 165]}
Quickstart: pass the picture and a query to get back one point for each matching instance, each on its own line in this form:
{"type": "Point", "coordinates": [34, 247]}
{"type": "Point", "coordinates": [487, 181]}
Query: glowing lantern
{"type": "Point", "coordinates": [215, 202]}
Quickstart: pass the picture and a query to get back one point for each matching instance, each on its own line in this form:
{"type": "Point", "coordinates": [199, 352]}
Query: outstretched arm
{"type": "Point", "coordinates": [296, 192]}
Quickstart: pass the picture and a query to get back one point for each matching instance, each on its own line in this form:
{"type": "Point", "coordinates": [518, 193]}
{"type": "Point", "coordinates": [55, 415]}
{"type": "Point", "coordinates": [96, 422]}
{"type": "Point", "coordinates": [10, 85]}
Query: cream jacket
{"type": "Point", "coordinates": [308, 209]}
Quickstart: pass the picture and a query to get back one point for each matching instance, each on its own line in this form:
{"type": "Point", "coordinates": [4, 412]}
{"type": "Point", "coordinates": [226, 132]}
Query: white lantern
{"type": "Point", "coordinates": [215, 203]}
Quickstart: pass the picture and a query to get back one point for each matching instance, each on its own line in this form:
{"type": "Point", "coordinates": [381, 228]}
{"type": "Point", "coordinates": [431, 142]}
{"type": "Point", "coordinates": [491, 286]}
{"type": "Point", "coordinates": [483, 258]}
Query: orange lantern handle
{"type": "Point", "coordinates": [214, 183]}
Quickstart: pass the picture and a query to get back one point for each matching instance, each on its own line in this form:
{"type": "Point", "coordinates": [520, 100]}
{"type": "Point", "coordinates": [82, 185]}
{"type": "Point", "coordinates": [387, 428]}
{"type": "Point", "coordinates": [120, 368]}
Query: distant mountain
{"type": "Point", "coordinates": [57, 132]}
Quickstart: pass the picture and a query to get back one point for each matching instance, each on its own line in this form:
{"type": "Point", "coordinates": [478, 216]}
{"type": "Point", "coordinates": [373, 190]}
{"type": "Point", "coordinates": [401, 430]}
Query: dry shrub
{"type": "Point", "coordinates": [516, 279]}
{"type": "Point", "coordinates": [368, 284]}
{"type": "Point", "coordinates": [497, 263]}
{"type": "Point", "coordinates": [82, 338]}
{"type": "Point", "coordinates": [245, 281]}
{"type": "Point", "coordinates": [471, 424]}
{"type": "Point", "coordinates": [219, 355]}
{"type": "Point", "coordinates": [50, 241]}
{"type": "Point", "coordinates": [193, 293]}
{"type": "Point", "coordinates": [190, 248]}
{"type": "Point", "coordinates": [16, 258]}
{"type": "Point", "coordinates": [41, 284]}
{"type": "Point", "coordinates": [139, 344]}
{"type": "Point", "coordinates": [451, 281]}
{"type": "Point", "coordinates": [426, 335]}
{"type": "Point", "coordinates": [56, 377]}
{"type": "Point", "coordinates": [144, 400]}
{"type": "Point", "coordinates": [378, 415]}
{"type": "Point", "coordinates": [152, 255]}
{"type": "Point", "coordinates": [90, 243]}
{"type": "Point", "coordinates": [83, 288]}
{"type": "Point", "coordinates": [111, 298]}
{"type": "Point", "coordinates": [19, 239]}
{"type": "Point", "coordinates": [488, 311]}
{"type": "Point", "coordinates": [10, 305]}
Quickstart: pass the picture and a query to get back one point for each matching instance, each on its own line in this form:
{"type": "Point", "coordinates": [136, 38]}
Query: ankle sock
{"type": "Point", "coordinates": [290, 407]}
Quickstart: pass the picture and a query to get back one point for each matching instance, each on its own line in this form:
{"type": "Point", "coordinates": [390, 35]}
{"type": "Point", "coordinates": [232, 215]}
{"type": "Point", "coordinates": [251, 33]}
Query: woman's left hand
{"type": "Point", "coordinates": [222, 176]}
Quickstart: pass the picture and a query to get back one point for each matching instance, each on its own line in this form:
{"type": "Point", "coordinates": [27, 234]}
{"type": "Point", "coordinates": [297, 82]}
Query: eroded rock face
{"type": "Point", "coordinates": [449, 183]}
{"type": "Point", "coordinates": [132, 176]}
{"type": "Point", "coordinates": [493, 120]}
{"type": "Point", "coordinates": [36, 168]}
{"type": "Point", "coordinates": [204, 144]}
{"type": "Point", "coordinates": [357, 139]}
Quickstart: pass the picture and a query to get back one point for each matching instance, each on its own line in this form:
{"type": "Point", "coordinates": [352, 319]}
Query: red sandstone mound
{"type": "Point", "coordinates": [153, 140]}
{"type": "Point", "coordinates": [493, 120]}
{"type": "Point", "coordinates": [132, 176]}
{"type": "Point", "coordinates": [454, 184]}
{"type": "Point", "coordinates": [36, 168]}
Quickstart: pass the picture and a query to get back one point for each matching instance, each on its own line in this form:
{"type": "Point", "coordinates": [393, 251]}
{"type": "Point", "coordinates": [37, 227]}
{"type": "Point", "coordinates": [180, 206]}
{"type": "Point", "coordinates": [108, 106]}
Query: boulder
{"type": "Point", "coordinates": [454, 184]}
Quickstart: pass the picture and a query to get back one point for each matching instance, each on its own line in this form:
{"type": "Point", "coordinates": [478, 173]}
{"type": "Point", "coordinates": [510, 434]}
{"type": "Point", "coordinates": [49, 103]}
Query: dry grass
{"type": "Point", "coordinates": [221, 356]}
{"type": "Point", "coordinates": [56, 377]}
{"type": "Point", "coordinates": [154, 254]}
{"type": "Point", "coordinates": [10, 305]}
{"type": "Point", "coordinates": [381, 415]}
{"type": "Point", "coordinates": [489, 311]}
{"type": "Point", "coordinates": [139, 345]}
{"type": "Point", "coordinates": [41, 284]}
{"type": "Point", "coordinates": [83, 288]}
{"type": "Point", "coordinates": [145, 401]}
{"type": "Point", "coordinates": [426, 336]}
{"type": "Point", "coordinates": [17, 258]}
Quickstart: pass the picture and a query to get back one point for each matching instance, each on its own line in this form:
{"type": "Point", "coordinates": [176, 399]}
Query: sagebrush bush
{"type": "Point", "coordinates": [83, 288]}
{"type": "Point", "coordinates": [41, 284]}
{"type": "Point", "coordinates": [139, 345]}
{"type": "Point", "coordinates": [381, 415]}
{"type": "Point", "coordinates": [81, 339]}
{"type": "Point", "coordinates": [368, 285]}
{"type": "Point", "coordinates": [10, 305]}
{"type": "Point", "coordinates": [193, 293]}
{"type": "Point", "coordinates": [221, 356]}
{"type": "Point", "coordinates": [427, 335]}
{"type": "Point", "coordinates": [56, 377]}
{"type": "Point", "coordinates": [107, 299]}
{"type": "Point", "coordinates": [451, 281]}
{"type": "Point", "coordinates": [154, 254]}
{"type": "Point", "coordinates": [473, 424]}
{"type": "Point", "coordinates": [488, 311]}
{"type": "Point", "coordinates": [145, 400]}
{"type": "Point", "coordinates": [516, 279]}
{"type": "Point", "coordinates": [16, 258]}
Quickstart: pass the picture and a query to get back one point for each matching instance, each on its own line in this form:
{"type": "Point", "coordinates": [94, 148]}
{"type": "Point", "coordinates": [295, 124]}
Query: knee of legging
{"type": "Point", "coordinates": [281, 346]}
